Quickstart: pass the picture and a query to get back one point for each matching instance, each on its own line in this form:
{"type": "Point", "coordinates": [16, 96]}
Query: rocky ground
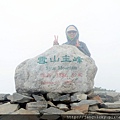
{"type": "Point", "coordinates": [60, 106]}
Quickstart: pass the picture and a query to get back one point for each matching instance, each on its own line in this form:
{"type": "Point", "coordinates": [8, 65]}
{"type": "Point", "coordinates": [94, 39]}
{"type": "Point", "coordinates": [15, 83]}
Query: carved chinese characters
{"type": "Point", "coordinates": [62, 69]}
{"type": "Point", "coordinates": [65, 58]}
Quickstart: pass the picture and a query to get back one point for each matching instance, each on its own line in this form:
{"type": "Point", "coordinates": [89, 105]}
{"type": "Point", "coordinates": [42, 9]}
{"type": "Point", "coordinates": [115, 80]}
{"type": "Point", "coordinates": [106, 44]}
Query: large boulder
{"type": "Point", "coordinates": [61, 69]}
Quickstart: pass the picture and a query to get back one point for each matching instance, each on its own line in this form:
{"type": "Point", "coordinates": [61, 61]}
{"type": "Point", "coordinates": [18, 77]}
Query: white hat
{"type": "Point", "coordinates": [71, 28]}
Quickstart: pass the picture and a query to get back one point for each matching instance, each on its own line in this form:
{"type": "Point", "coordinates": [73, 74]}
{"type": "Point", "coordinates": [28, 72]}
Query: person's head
{"type": "Point", "coordinates": [72, 33]}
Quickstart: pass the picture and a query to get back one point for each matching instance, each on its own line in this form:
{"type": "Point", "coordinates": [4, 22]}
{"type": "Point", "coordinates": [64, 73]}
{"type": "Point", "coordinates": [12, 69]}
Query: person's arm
{"type": "Point", "coordinates": [82, 47]}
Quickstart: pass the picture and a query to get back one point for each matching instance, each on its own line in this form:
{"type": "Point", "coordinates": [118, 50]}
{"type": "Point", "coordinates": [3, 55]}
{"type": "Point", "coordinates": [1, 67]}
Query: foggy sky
{"type": "Point", "coordinates": [27, 29]}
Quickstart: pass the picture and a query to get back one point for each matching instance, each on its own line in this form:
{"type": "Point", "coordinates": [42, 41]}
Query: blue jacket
{"type": "Point", "coordinates": [83, 48]}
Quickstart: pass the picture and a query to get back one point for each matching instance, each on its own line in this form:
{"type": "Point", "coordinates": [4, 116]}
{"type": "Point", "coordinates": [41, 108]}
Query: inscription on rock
{"type": "Point", "coordinates": [62, 69]}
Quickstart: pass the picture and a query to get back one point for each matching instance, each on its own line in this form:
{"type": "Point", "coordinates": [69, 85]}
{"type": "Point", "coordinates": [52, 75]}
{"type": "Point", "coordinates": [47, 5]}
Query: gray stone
{"type": "Point", "coordinates": [8, 108]}
{"type": "Point", "coordinates": [63, 107]}
{"type": "Point", "coordinates": [112, 105]}
{"type": "Point", "coordinates": [93, 108]}
{"type": "Point", "coordinates": [38, 97]}
{"type": "Point", "coordinates": [102, 105]}
{"type": "Point", "coordinates": [90, 94]}
{"type": "Point", "coordinates": [114, 95]}
{"type": "Point", "coordinates": [52, 110]}
{"type": "Point", "coordinates": [78, 97]}
{"type": "Point", "coordinates": [51, 104]}
{"type": "Point", "coordinates": [100, 93]}
{"type": "Point", "coordinates": [3, 97]}
{"type": "Point", "coordinates": [117, 102]}
{"type": "Point", "coordinates": [108, 110]}
{"type": "Point", "coordinates": [98, 98]}
{"type": "Point", "coordinates": [63, 98]}
{"type": "Point", "coordinates": [19, 98]}
{"type": "Point", "coordinates": [58, 97]}
{"type": "Point", "coordinates": [21, 114]}
{"type": "Point", "coordinates": [82, 108]}
{"type": "Point", "coordinates": [1, 103]}
{"type": "Point", "coordinates": [62, 69]}
{"type": "Point", "coordinates": [52, 96]}
{"type": "Point", "coordinates": [22, 111]}
{"type": "Point", "coordinates": [19, 117]}
{"type": "Point", "coordinates": [83, 102]}
{"type": "Point", "coordinates": [39, 105]}
{"type": "Point", "coordinates": [26, 94]}
{"type": "Point", "coordinates": [108, 96]}
{"type": "Point", "coordinates": [98, 113]}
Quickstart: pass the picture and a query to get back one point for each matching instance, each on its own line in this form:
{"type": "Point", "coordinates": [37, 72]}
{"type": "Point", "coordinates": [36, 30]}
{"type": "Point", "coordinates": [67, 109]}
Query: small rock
{"type": "Point", "coordinates": [113, 105]}
{"type": "Point", "coordinates": [25, 112]}
{"type": "Point", "coordinates": [51, 96]}
{"type": "Point", "coordinates": [63, 107]}
{"type": "Point", "coordinates": [108, 110]}
{"type": "Point", "coordinates": [93, 108]}
{"type": "Point", "coordinates": [19, 98]}
{"type": "Point", "coordinates": [78, 97]}
{"type": "Point", "coordinates": [52, 110]}
{"type": "Point", "coordinates": [113, 94]}
{"type": "Point", "coordinates": [26, 94]}
{"type": "Point", "coordinates": [21, 114]}
{"type": "Point", "coordinates": [39, 105]}
{"type": "Point", "coordinates": [102, 105]}
{"type": "Point", "coordinates": [3, 97]}
{"type": "Point", "coordinates": [1, 103]}
{"type": "Point", "coordinates": [97, 98]}
{"type": "Point", "coordinates": [97, 113]}
{"type": "Point", "coordinates": [107, 96]}
{"type": "Point", "coordinates": [117, 101]}
{"type": "Point", "coordinates": [90, 94]}
{"type": "Point", "coordinates": [51, 104]}
{"type": "Point", "coordinates": [8, 108]}
{"type": "Point", "coordinates": [85, 102]}
{"type": "Point", "coordinates": [81, 108]}
{"type": "Point", "coordinates": [63, 98]}
{"type": "Point", "coordinates": [38, 98]}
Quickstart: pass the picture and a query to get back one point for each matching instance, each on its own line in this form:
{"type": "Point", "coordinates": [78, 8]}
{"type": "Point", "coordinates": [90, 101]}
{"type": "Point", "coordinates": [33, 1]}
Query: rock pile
{"type": "Point", "coordinates": [55, 85]}
{"type": "Point", "coordinates": [58, 106]}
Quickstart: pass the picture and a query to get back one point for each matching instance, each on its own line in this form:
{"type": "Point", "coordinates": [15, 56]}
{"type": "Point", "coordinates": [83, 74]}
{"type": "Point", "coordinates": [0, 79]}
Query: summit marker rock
{"type": "Point", "coordinates": [60, 69]}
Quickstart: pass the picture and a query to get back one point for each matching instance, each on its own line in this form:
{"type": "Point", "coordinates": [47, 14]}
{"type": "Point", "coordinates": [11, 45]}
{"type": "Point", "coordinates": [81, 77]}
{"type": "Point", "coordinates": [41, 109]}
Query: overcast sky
{"type": "Point", "coordinates": [27, 29]}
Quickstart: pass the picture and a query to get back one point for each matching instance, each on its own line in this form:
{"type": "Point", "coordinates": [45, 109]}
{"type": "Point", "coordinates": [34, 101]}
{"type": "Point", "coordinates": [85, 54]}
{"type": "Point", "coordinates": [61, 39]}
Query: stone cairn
{"type": "Point", "coordinates": [56, 106]}
{"type": "Point", "coordinates": [56, 85]}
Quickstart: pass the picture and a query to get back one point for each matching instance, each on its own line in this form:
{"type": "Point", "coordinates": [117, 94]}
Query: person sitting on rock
{"type": "Point", "coordinates": [72, 35]}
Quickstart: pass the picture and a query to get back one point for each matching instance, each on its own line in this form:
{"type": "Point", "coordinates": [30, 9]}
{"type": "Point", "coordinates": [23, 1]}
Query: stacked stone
{"type": "Point", "coordinates": [56, 84]}
{"type": "Point", "coordinates": [56, 104]}
{"type": "Point", "coordinates": [108, 96]}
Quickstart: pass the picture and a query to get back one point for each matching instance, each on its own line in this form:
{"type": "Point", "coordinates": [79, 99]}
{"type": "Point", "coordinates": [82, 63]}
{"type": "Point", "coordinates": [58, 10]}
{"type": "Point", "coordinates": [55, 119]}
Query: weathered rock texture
{"type": "Point", "coordinates": [57, 106]}
{"type": "Point", "coordinates": [62, 69]}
